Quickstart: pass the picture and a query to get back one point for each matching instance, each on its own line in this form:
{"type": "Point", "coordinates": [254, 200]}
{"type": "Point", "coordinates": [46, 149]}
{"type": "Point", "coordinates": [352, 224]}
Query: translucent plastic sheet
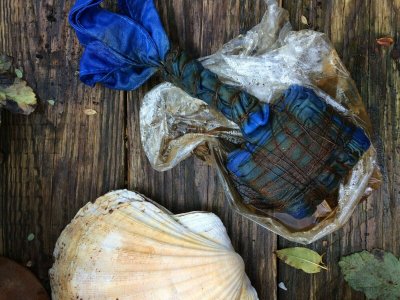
{"type": "Point", "coordinates": [265, 62]}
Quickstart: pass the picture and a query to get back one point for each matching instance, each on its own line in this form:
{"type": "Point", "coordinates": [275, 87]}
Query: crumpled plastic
{"type": "Point", "coordinates": [265, 62]}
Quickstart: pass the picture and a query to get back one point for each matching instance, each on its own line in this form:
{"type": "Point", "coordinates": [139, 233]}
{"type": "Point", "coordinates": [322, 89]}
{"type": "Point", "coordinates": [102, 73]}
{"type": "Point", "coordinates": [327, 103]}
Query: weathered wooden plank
{"type": "Point", "coordinates": [57, 159]}
{"type": "Point", "coordinates": [201, 27]}
{"type": "Point", "coordinates": [353, 27]}
{"type": "Point", "coordinates": [384, 103]}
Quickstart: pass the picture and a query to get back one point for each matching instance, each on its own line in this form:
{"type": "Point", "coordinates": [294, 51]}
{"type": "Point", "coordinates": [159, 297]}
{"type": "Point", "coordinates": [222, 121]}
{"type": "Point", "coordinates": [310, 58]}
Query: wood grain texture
{"type": "Point", "coordinates": [353, 27]}
{"type": "Point", "coordinates": [57, 159]}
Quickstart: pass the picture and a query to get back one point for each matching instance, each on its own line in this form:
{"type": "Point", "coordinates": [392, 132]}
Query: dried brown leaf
{"type": "Point", "coordinates": [385, 41]}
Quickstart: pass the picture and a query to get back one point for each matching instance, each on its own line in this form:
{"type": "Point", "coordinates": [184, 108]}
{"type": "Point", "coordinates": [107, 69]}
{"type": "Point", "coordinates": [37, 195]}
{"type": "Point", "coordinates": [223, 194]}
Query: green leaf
{"type": "Point", "coordinates": [302, 258]}
{"type": "Point", "coordinates": [19, 73]}
{"type": "Point", "coordinates": [377, 274]}
{"type": "Point", "coordinates": [17, 97]}
{"type": "Point", "coordinates": [15, 94]}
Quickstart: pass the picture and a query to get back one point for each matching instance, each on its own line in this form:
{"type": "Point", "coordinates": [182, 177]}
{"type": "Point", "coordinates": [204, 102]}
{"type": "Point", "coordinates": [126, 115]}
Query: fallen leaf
{"type": "Point", "coordinates": [89, 112]}
{"type": "Point", "coordinates": [19, 73]}
{"type": "Point", "coordinates": [385, 41]}
{"type": "Point", "coordinates": [304, 20]}
{"type": "Point", "coordinates": [302, 258]}
{"type": "Point", "coordinates": [15, 94]}
{"type": "Point", "coordinates": [31, 237]}
{"type": "Point", "coordinates": [17, 97]}
{"type": "Point", "coordinates": [376, 273]}
{"type": "Point", "coordinates": [51, 102]}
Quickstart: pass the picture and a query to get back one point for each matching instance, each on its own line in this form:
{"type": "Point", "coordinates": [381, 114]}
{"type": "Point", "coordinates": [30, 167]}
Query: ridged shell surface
{"type": "Point", "coordinates": [125, 247]}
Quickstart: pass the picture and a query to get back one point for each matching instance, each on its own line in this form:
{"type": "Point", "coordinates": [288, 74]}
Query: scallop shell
{"type": "Point", "coordinates": [125, 246]}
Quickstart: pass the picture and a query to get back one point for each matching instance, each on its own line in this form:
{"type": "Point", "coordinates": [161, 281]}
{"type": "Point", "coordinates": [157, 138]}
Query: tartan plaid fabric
{"type": "Point", "coordinates": [309, 149]}
{"type": "Point", "coordinates": [296, 152]}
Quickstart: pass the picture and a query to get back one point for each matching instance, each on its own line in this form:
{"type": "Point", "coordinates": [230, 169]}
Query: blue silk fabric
{"type": "Point", "coordinates": [304, 149]}
{"type": "Point", "coordinates": [122, 50]}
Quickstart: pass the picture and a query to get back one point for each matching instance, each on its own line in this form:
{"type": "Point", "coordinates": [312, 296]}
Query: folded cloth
{"type": "Point", "coordinates": [304, 152]}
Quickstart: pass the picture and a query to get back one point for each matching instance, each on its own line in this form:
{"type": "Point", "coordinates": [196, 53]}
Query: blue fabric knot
{"type": "Point", "coordinates": [122, 50]}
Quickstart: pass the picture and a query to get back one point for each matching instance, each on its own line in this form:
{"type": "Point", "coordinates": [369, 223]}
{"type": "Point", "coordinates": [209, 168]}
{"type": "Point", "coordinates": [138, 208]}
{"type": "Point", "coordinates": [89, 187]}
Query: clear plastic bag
{"type": "Point", "coordinates": [265, 62]}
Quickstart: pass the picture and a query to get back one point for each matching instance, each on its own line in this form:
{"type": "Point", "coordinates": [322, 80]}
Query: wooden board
{"type": "Point", "coordinates": [353, 27]}
{"type": "Point", "coordinates": [57, 159]}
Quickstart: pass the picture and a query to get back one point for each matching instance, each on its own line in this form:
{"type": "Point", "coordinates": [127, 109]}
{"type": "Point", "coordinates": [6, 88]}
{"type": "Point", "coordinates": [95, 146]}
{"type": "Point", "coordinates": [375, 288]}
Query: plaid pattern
{"type": "Point", "coordinates": [309, 149]}
{"type": "Point", "coordinates": [296, 152]}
